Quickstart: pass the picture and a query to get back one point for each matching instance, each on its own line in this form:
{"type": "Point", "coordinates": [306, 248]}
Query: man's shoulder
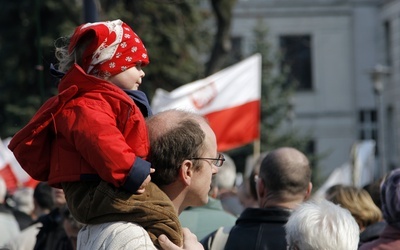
{"type": "Point", "coordinates": [113, 235]}
{"type": "Point", "coordinates": [118, 227]}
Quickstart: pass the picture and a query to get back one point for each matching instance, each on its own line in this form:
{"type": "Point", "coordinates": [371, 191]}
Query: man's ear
{"type": "Point", "coordinates": [260, 187]}
{"type": "Point", "coordinates": [308, 192]}
{"type": "Point", "coordinates": [186, 172]}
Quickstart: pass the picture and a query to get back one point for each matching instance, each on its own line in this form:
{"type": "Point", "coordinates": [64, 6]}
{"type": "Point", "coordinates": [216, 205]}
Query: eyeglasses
{"type": "Point", "coordinates": [215, 161]}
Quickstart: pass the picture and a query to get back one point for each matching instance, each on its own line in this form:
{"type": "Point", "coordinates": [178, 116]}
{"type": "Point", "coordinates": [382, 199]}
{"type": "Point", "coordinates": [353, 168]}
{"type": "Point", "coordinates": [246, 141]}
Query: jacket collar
{"type": "Point", "coordinates": [272, 214]}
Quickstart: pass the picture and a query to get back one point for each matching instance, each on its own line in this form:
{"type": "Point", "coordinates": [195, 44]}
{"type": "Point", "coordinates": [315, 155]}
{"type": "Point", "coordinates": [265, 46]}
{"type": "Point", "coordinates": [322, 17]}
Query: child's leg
{"type": "Point", "coordinates": [99, 202]}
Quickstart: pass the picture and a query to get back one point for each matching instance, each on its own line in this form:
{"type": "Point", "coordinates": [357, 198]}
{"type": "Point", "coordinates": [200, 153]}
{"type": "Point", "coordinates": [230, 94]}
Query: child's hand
{"type": "Point", "coordinates": [145, 183]}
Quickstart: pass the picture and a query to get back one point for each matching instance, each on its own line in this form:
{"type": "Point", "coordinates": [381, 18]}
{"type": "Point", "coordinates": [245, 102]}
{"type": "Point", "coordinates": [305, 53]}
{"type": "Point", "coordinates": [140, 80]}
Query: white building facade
{"type": "Point", "coordinates": [343, 41]}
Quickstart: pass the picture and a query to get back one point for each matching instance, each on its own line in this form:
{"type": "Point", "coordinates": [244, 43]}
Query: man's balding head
{"type": "Point", "coordinates": [285, 173]}
{"type": "Point", "coordinates": [175, 135]}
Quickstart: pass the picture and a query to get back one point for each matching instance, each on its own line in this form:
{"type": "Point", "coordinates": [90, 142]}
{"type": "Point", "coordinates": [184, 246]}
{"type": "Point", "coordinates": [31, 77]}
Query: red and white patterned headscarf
{"type": "Point", "coordinates": [114, 49]}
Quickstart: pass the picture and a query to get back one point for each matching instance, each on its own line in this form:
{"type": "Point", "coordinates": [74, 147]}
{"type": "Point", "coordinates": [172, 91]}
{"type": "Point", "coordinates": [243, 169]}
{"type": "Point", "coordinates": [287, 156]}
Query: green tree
{"type": "Point", "coordinates": [26, 46]}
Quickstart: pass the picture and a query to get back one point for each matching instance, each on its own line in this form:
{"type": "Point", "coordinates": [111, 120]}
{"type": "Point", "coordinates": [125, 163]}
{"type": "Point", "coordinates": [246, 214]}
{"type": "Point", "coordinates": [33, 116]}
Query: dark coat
{"type": "Point", "coordinates": [389, 239]}
{"type": "Point", "coordinates": [256, 229]}
{"type": "Point", "coordinates": [51, 235]}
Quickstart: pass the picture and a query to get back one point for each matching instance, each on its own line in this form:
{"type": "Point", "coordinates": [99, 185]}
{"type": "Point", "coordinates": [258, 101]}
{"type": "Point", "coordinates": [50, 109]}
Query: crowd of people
{"type": "Point", "coordinates": [115, 176]}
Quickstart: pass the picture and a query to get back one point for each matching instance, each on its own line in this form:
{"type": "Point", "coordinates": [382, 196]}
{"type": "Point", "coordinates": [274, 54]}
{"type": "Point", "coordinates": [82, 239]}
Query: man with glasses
{"type": "Point", "coordinates": [183, 151]}
{"type": "Point", "coordinates": [205, 219]}
{"type": "Point", "coordinates": [284, 181]}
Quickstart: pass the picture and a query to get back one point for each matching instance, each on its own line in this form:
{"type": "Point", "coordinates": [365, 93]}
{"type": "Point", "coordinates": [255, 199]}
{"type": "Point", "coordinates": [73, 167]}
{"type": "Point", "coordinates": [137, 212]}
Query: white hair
{"type": "Point", "coordinates": [23, 198]}
{"type": "Point", "coordinates": [320, 224]}
{"type": "Point", "coordinates": [226, 177]}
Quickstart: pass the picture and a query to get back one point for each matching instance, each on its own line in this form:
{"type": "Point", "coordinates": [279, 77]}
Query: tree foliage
{"type": "Point", "coordinates": [26, 46]}
{"type": "Point", "coordinates": [222, 40]}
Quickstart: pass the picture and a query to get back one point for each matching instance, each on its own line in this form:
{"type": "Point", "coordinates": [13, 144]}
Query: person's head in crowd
{"type": "Point", "coordinates": [226, 177]}
{"type": "Point", "coordinates": [23, 198]}
{"type": "Point", "coordinates": [320, 224]}
{"type": "Point", "coordinates": [225, 189]}
{"type": "Point", "coordinates": [390, 197]}
{"type": "Point", "coordinates": [284, 178]}
{"type": "Point", "coordinates": [331, 191]}
{"type": "Point", "coordinates": [58, 197]}
{"type": "Point", "coordinates": [359, 203]}
{"type": "Point", "coordinates": [43, 200]}
{"type": "Point", "coordinates": [187, 170]}
{"type": "Point", "coordinates": [71, 226]}
{"type": "Point", "coordinates": [225, 180]}
{"type": "Point", "coordinates": [246, 197]}
{"type": "Point", "coordinates": [374, 190]}
{"type": "Point", "coordinates": [247, 191]}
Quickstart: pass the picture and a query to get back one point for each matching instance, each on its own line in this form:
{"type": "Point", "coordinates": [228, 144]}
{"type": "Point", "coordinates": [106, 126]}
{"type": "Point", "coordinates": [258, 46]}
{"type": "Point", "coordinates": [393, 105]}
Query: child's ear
{"type": "Point", "coordinates": [186, 172]}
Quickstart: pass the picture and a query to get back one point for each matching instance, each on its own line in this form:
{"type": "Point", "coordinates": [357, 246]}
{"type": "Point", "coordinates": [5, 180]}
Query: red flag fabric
{"type": "Point", "coordinates": [229, 99]}
{"type": "Point", "coordinates": [10, 170]}
{"type": "Point", "coordinates": [9, 178]}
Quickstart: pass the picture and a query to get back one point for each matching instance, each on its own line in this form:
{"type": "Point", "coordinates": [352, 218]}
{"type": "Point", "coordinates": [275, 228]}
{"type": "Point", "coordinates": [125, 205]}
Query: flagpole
{"type": "Point", "coordinates": [256, 149]}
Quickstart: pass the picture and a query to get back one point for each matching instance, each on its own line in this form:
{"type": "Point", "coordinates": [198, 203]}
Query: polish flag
{"type": "Point", "coordinates": [10, 170]}
{"type": "Point", "coordinates": [229, 99]}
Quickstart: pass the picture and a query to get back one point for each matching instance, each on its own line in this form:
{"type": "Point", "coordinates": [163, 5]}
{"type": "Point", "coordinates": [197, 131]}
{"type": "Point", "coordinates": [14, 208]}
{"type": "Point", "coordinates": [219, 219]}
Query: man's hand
{"type": "Point", "coordinates": [189, 242]}
{"type": "Point", "coordinates": [142, 188]}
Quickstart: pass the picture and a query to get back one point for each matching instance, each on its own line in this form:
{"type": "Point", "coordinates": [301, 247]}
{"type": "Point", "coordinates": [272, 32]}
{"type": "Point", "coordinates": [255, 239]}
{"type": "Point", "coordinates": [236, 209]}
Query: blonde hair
{"type": "Point", "coordinates": [358, 202]}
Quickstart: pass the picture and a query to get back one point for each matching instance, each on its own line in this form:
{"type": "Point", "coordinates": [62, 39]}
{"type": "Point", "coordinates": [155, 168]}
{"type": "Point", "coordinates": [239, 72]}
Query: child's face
{"type": "Point", "coordinates": [128, 79]}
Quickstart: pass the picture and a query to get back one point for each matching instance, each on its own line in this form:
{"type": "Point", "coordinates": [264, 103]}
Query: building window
{"type": "Point", "coordinates": [368, 127]}
{"type": "Point", "coordinates": [388, 43]}
{"type": "Point", "coordinates": [297, 57]}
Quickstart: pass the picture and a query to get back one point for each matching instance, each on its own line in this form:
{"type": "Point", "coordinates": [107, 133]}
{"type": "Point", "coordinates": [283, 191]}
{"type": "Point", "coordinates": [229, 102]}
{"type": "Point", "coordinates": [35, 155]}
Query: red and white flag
{"type": "Point", "coordinates": [229, 99]}
{"type": "Point", "coordinates": [10, 170]}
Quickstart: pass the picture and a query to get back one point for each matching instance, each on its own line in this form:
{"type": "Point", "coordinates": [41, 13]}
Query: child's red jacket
{"type": "Point", "coordinates": [92, 129]}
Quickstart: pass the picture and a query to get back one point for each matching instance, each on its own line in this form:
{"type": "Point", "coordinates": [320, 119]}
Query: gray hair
{"type": "Point", "coordinates": [23, 198]}
{"type": "Point", "coordinates": [226, 177]}
{"type": "Point", "coordinates": [321, 224]}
